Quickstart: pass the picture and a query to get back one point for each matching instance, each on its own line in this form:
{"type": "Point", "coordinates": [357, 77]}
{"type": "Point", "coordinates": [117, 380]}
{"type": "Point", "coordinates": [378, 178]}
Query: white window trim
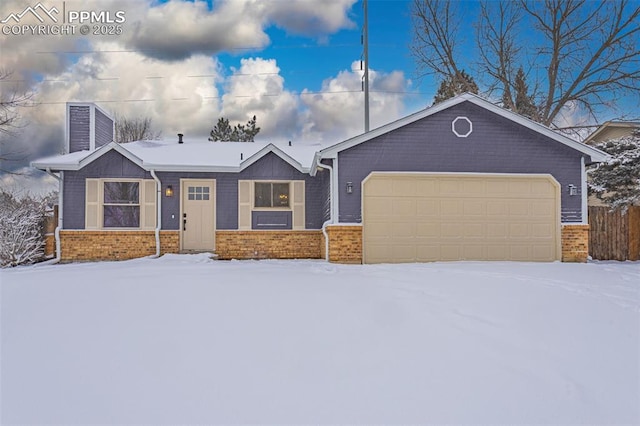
{"type": "Point", "coordinates": [144, 206]}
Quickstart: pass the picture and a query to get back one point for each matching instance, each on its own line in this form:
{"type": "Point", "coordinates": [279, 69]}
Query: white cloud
{"type": "Point", "coordinates": [176, 30]}
{"type": "Point", "coordinates": [257, 88]}
{"type": "Point", "coordinates": [338, 112]}
{"type": "Point", "coordinates": [309, 17]}
{"type": "Point", "coordinates": [178, 96]}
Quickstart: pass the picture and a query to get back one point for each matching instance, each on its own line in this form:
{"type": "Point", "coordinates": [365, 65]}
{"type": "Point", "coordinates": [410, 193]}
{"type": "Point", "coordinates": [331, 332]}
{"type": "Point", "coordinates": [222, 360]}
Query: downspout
{"type": "Point", "coordinates": [330, 221]}
{"type": "Point", "coordinates": [56, 233]}
{"type": "Point", "coordinates": [158, 212]}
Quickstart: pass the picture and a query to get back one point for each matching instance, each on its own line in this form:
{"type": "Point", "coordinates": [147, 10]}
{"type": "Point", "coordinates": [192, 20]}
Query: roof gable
{"type": "Point", "coordinates": [187, 157]}
{"type": "Point", "coordinates": [332, 151]}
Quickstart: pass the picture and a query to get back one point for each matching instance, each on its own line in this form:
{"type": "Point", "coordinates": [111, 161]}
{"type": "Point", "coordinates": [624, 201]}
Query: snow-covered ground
{"type": "Point", "coordinates": [183, 339]}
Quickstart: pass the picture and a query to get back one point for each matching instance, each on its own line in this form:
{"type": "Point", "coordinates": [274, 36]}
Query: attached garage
{"type": "Point", "coordinates": [421, 217]}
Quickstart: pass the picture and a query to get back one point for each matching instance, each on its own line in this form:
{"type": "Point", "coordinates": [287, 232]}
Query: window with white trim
{"type": "Point", "coordinates": [271, 195]}
{"type": "Point", "coordinates": [120, 204]}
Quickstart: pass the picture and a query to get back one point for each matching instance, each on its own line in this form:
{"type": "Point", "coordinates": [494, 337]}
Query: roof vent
{"type": "Point", "coordinates": [289, 143]}
{"type": "Point", "coordinates": [241, 156]}
{"type": "Point", "coordinates": [180, 135]}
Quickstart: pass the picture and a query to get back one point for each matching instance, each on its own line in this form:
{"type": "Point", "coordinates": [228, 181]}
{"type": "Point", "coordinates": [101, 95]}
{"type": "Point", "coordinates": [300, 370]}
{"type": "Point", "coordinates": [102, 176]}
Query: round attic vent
{"type": "Point", "coordinates": [461, 127]}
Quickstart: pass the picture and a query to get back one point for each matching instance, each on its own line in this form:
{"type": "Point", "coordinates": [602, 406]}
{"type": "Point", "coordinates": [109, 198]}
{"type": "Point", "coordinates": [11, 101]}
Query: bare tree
{"type": "Point", "coordinates": [12, 98]}
{"type": "Point", "coordinates": [435, 45]}
{"type": "Point", "coordinates": [583, 52]}
{"type": "Point", "coordinates": [129, 129]}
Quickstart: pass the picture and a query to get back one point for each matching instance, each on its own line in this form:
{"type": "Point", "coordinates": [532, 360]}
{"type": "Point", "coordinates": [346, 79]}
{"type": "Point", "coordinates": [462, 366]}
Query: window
{"type": "Point", "coordinates": [121, 205]}
{"type": "Point", "coordinates": [268, 199]}
{"type": "Point", "coordinates": [198, 193]}
{"type": "Point", "coordinates": [271, 194]}
{"type": "Point", "coordinates": [118, 204]}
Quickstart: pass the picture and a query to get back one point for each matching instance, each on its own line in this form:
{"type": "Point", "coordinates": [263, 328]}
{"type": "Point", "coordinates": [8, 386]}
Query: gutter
{"type": "Point", "coordinates": [158, 212]}
{"type": "Point", "coordinates": [330, 221]}
{"type": "Point", "coordinates": [56, 233]}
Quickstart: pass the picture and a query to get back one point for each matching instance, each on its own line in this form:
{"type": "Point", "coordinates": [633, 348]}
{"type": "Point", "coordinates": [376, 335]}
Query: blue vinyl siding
{"type": "Point", "coordinates": [114, 165]}
{"type": "Point", "coordinates": [103, 128]}
{"type": "Point", "coordinates": [496, 145]}
{"type": "Point", "coordinates": [269, 167]}
{"type": "Point", "coordinates": [110, 165]}
{"type": "Point", "coordinates": [271, 220]}
{"type": "Point", "coordinates": [79, 128]}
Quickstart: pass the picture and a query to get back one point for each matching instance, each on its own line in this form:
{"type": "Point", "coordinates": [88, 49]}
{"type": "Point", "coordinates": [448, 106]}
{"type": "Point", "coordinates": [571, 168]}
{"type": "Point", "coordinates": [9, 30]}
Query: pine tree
{"type": "Point", "coordinates": [617, 182]}
{"type": "Point", "coordinates": [223, 132]}
{"type": "Point", "coordinates": [454, 86]}
{"type": "Point", "coordinates": [524, 104]}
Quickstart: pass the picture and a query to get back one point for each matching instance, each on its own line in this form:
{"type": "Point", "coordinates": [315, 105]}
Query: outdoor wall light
{"type": "Point", "coordinates": [349, 187]}
{"type": "Point", "coordinates": [573, 190]}
{"type": "Point", "coordinates": [168, 192]}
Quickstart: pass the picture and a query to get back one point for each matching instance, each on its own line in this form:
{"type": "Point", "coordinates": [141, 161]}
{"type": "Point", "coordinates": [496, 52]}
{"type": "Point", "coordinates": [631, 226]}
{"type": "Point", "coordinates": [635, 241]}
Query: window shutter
{"type": "Point", "coordinates": [245, 195]}
{"type": "Point", "coordinates": [298, 204]}
{"type": "Point", "coordinates": [148, 212]}
{"type": "Point", "coordinates": [92, 212]}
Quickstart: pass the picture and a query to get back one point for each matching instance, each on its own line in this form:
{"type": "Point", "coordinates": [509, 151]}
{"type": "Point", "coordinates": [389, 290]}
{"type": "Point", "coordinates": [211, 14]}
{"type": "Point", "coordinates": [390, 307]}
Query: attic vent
{"type": "Point", "coordinates": [461, 127]}
{"type": "Point", "coordinates": [180, 135]}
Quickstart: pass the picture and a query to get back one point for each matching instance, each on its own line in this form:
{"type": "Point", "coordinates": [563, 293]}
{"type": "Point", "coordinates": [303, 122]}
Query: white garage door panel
{"type": "Point", "coordinates": [415, 217]}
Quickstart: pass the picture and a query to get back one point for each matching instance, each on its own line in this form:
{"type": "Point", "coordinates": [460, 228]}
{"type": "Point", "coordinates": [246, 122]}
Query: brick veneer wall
{"type": "Point", "coordinates": [575, 243]}
{"type": "Point", "coordinates": [269, 244]}
{"type": "Point", "coordinates": [345, 243]}
{"type": "Point", "coordinates": [115, 245]}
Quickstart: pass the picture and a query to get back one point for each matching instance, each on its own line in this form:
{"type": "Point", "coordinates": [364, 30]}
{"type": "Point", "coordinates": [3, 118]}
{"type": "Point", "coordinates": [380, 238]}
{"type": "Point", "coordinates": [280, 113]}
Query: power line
{"type": "Point", "coordinates": [243, 96]}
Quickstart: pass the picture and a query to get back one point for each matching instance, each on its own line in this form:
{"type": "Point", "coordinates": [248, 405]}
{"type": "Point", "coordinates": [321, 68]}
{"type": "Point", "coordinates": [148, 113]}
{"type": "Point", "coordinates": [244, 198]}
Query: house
{"type": "Point", "coordinates": [612, 130]}
{"type": "Point", "coordinates": [607, 131]}
{"type": "Point", "coordinates": [463, 180]}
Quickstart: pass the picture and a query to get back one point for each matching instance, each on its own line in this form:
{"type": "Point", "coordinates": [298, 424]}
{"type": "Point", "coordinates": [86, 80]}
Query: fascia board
{"type": "Point", "coordinates": [187, 168]}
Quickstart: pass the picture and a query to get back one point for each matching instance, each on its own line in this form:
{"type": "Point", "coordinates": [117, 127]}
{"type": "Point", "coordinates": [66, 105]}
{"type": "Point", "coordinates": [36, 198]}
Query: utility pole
{"type": "Point", "coordinates": [366, 66]}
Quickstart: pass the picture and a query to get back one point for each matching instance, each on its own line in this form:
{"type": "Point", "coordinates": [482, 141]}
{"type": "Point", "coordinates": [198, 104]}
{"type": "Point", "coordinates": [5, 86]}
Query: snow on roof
{"type": "Point", "coordinates": [192, 155]}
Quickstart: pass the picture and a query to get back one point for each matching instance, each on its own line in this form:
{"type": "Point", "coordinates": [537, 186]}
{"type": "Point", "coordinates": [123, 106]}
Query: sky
{"type": "Point", "coordinates": [294, 64]}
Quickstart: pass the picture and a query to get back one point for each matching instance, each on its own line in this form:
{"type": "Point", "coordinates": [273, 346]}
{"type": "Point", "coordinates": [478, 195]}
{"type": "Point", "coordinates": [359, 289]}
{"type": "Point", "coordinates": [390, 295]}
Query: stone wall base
{"type": "Point", "coordinates": [84, 245]}
{"type": "Point", "coordinates": [575, 243]}
{"type": "Point", "coordinates": [345, 243]}
{"type": "Point", "coordinates": [269, 244]}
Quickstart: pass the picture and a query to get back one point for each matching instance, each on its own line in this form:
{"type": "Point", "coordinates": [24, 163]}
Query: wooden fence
{"type": "Point", "coordinates": [614, 235]}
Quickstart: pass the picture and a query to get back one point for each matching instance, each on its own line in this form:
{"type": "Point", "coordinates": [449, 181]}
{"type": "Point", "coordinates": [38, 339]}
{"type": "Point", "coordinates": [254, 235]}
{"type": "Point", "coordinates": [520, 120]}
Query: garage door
{"type": "Point", "coordinates": [422, 217]}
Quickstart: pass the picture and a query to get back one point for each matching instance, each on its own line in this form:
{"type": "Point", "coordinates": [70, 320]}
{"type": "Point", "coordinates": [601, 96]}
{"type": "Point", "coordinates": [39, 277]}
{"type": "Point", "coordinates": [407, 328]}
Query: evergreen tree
{"type": "Point", "coordinates": [455, 85]}
{"type": "Point", "coordinates": [223, 132]}
{"type": "Point", "coordinates": [524, 104]}
{"type": "Point", "coordinates": [617, 182]}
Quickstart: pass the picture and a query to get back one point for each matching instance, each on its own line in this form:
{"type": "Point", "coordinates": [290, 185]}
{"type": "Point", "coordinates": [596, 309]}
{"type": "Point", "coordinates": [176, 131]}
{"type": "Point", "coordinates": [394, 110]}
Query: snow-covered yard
{"type": "Point", "coordinates": [183, 339]}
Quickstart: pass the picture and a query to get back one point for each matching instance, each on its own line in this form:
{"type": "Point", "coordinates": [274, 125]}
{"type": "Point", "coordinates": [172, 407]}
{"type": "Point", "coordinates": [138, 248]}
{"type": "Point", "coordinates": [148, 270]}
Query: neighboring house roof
{"type": "Point", "coordinates": [190, 156]}
{"type": "Point", "coordinates": [595, 154]}
{"type": "Point", "coordinates": [612, 130]}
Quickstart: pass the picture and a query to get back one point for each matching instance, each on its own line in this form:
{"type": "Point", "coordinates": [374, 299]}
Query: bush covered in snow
{"type": "Point", "coordinates": [21, 228]}
{"type": "Point", "coordinates": [617, 182]}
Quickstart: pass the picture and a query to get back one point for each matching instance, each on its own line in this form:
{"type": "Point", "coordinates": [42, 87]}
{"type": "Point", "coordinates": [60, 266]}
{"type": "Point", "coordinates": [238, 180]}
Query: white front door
{"type": "Point", "coordinates": [198, 214]}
